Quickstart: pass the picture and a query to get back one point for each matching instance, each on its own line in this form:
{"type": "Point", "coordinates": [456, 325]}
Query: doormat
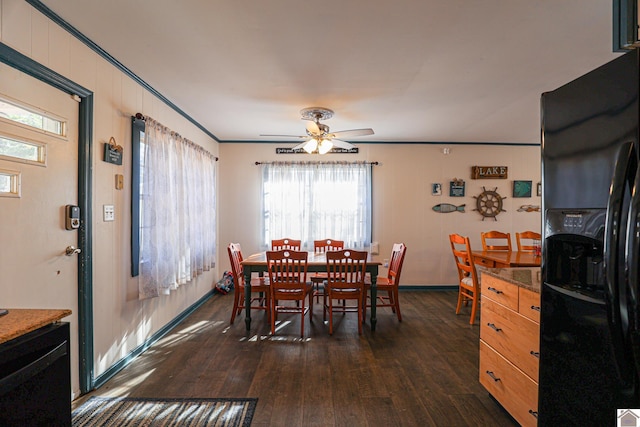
{"type": "Point", "coordinates": [130, 411]}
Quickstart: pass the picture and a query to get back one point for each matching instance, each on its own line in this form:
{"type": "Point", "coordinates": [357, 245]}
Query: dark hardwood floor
{"type": "Point", "coordinates": [421, 372]}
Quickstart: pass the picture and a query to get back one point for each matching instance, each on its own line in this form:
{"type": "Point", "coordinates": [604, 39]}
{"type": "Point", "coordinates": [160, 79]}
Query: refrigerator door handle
{"type": "Point", "coordinates": [624, 169]}
{"type": "Point", "coordinates": [632, 258]}
{"type": "Point", "coordinates": [613, 230]}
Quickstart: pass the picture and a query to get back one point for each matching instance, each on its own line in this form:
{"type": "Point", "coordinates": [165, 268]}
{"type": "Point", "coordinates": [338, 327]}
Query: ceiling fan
{"type": "Point", "coordinates": [319, 139]}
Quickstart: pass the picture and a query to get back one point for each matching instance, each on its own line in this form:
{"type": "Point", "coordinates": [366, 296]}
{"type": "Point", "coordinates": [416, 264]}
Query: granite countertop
{"type": "Point", "coordinates": [525, 277]}
{"type": "Point", "coordinates": [20, 321]}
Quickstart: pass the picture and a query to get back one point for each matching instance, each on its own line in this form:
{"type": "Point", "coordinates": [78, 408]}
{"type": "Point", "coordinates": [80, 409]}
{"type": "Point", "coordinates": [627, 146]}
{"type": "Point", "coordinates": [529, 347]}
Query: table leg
{"type": "Point", "coordinates": [374, 296]}
{"type": "Point", "coordinates": [247, 297]}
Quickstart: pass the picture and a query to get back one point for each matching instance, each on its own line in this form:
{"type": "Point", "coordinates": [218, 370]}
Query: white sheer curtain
{"type": "Point", "coordinates": [317, 200]}
{"type": "Point", "coordinates": [177, 211]}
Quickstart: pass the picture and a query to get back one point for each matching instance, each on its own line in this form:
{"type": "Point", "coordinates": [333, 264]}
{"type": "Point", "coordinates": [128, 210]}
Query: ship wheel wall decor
{"type": "Point", "coordinates": [489, 203]}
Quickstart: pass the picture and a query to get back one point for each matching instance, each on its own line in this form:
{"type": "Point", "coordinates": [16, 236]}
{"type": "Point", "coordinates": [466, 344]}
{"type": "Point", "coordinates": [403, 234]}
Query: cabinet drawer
{"type": "Point", "coordinates": [484, 262]}
{"type": "Point", "coordinates": [512, 335]}
{"type": "Point", "coordinates": [529, 304]}
{"type": "Point", "coordinates": [515, 391]}
{"type": "Point", "coordinates": [500, 291]}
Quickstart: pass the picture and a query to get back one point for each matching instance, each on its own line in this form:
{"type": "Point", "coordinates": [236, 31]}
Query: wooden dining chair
{"type": "Point", "coordinates": [495, 241]}
{"type": "Point", "coordinates": [259, 285]}
{"type": "Point", "coordinates": [286, 243]}
{"type": "Point", "coordinates": [345, 282]}
{"type": "Point", "coordinates": [529, 236]}
{"type": "Point", "coordinates": [319, 247]}
{"type": "Point", "coordinates": [469, 285]}
{"type": "Point", "coordinates": [388, 284]}
{"type": "Point", "coordinates": [288, 282]}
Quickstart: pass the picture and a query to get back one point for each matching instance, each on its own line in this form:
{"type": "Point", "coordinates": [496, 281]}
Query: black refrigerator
{"type": "Point", "coordinates": [589, 328]}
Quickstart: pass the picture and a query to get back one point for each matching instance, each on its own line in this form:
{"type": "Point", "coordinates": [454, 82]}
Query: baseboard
{"type": "Point", "coordinates": [428, 288]}
{"type": "Point", "coordinates": [119, 365]}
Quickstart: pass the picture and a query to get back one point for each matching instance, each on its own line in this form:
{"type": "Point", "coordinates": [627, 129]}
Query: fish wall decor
{"type": "Point", "coordinates": [448, 207]}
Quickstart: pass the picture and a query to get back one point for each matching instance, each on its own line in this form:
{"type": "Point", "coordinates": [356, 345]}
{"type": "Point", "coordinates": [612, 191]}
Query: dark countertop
{"type": "Point", "coordinates": [528, 278]}
{"type": "Point", "coordinates": [20, 321]}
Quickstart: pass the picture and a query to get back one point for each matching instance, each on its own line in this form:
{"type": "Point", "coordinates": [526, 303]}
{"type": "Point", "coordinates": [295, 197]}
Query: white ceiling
{"type": "Point", "coordinates": [413, 70]}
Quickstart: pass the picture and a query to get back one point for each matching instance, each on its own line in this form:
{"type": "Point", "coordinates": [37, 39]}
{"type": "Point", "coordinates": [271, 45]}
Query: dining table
{"type": "Point", "coordinates": [506, 259]}
{"type": "Point", "coordinates": [316, 262]}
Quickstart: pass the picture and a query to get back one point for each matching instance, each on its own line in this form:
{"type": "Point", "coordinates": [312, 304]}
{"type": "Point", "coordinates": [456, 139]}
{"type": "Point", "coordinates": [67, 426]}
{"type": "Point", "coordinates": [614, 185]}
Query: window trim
{"type": "Point", "coordinates": [137, 129]}
{"type": "Point", "coordinates": [39, 111]}
{"type": "Point", "coordinates": [42, 149]}
{"type": "Point", "coordinates": [15, 183]}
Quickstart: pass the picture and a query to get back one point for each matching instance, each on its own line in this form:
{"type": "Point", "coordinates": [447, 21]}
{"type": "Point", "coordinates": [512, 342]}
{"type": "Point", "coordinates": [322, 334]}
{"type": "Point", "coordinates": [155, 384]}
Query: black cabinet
{"type": "Point", "coordinates": [35, 378]}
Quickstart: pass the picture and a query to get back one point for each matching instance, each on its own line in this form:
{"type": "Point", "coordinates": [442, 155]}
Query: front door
{"type": "Point", "coordinates": [35, 269]}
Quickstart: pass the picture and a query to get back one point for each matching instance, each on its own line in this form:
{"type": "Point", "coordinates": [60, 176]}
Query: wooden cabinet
{"type": "Point", "coordinates": [510, 346]}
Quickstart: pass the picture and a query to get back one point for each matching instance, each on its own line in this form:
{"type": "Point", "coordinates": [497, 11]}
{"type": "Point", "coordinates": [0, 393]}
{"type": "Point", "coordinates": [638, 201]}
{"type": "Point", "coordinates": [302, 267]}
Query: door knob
{"type": "Point", "coordinates": [72, 250]}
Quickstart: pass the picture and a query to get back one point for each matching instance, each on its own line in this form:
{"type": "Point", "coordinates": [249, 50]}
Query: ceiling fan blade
{"type": "Point", "coordinates": [312, 128]}
{"type": "Point", "coordinates": [285, 136]}
{"type": "Point", "coordinates": [351, 133]}
{"type": "Point", "coordinates": [299, 146]}
{"type": "Point", "coordinates": [342, 144]}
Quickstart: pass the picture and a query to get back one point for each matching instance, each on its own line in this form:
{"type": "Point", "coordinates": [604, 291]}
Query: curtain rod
{"type": "Point", "coordinates": [139, 116]}
{"type": "Point", "coordinates": [319, 163]}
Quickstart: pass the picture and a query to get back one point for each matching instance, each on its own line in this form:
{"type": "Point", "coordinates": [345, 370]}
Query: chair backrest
{"type": "Point", "coordinates": [286, 243]}
{"type": "Point", "coordinates": [395, 263]}
{"type": "Point", "coordinates": [463, 256]}
{"type": "Point", "coordinates": [235, 258]}
{"type": "Point", "coordinates": [527, 235]}
{"type": "Point", "coordinates": [326, 245]}
{"type": "Point", "coordinates": [287, 269]}
{"type": "Point", "coordinates": [496, 241]}
{"type": "Point", "coordinates": [346, 269]}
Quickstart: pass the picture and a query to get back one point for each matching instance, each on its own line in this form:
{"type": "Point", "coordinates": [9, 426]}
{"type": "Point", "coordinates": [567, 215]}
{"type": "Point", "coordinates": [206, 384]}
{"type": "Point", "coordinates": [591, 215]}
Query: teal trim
{"type": "Point", "coordinates": [28, 66]}
{"type": "Point", "coordinates": [428, 288]}
{"type": "Point", "coordinates": [113, 61]}
{"type": "Point", "coordinates": [38, 5]}
{"type": "Point", "coordinates": [122, 363]}
{"type": "Point", "coordinates": [625, 25]}
{"type": "Point", "coordinates": [516, 144]}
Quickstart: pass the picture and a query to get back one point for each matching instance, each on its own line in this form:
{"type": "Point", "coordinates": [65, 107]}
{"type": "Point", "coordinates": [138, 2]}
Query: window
{"type": "Point", "coordinates": [173, 235]}
{"type": "Point", "coordinates": [311, 201]}
{"type": "Point", "coordinates": [31, 117]}
{"type": "Point", "coordinates": [24, 151]}
{"type": "Point", "coordinates": [9, 183]}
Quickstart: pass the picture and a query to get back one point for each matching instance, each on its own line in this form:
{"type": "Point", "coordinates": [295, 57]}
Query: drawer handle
{"type": "Point", "coordinates": [535, 354]}
{"type": "Point", "coordinates": [535, 307]}
{"type": "Point", "coordinates": [494, 327]}
{"type": "Point", "coordinates": [493, 377]}
{"type": "Point", "coordinates": [497, 291]}
{"type": "Point", "coordinates": [534, 413]}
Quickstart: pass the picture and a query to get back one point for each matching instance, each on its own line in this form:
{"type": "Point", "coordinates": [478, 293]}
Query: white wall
{"type": "Point", "coordinates": [121, 321]}
{"type": "Point", "coordinates": [401, 196]}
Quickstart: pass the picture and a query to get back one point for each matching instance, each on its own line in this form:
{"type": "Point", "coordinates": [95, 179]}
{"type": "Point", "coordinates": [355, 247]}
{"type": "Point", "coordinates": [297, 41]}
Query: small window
{"type": "Point", "coordinates": [25, 151]}
{"type": "Point", "coordinates": [32, 118]}
{"type": "Point", "coordinates": [9, 183]}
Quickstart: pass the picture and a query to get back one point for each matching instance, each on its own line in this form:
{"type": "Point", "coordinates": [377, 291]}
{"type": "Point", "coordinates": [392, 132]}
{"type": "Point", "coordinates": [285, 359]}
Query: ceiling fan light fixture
{"type": "Point", "coordinates": [310, 146]}
{"type": "Point", "coordinates": [325, 146]}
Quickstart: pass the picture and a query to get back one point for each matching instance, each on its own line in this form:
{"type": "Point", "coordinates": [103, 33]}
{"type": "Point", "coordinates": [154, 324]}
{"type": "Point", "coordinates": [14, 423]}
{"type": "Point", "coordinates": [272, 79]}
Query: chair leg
{"type": "Point", "coordinates": [273, 316]}
{"type": "Point", "coordinates": [474, 306]}
{"type": "Point", "coordinates": [396, 303]}
{"type": "Point", "coordinates": [330, 315]}
{"type": "Point", "coordinates": [237, 294]}
{"type": "Point", "coordinates": [459, 305]}
{"type": "Point", "coordinates": [302, 318]}
{"type": "Point", "coordinates": [360, 318]}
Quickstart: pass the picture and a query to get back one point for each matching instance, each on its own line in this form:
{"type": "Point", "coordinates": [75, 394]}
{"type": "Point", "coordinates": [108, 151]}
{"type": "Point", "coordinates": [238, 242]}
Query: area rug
{"type": "Point", "coordinates": [127, 411]}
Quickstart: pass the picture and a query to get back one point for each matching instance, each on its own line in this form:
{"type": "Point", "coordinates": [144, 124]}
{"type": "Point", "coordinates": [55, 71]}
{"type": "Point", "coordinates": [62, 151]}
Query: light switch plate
{"type": "Point", "coordinates": [108, 213]}
{"type": "Point", "coordinates": [375, 248]}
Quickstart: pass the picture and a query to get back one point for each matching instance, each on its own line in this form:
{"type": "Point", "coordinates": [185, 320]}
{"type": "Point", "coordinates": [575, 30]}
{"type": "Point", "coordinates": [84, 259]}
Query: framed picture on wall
{"type": "Point", "coordinates": [521, 188]}
{"type": "Point", "coordinates": [436, 189]}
